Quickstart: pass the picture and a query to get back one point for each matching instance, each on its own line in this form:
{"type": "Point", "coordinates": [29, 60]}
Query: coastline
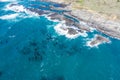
{"type": "Point", "coordinates": [100, 22]}
{"type": "Point", "coordinates": [72, 22]}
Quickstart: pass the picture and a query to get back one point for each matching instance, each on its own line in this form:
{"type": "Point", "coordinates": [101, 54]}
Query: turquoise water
{"type": "Point", "coordinates": [32, 50]}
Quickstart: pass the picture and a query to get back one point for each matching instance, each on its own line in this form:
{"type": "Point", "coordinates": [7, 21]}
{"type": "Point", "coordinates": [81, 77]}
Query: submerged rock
{"type": "Point", "coordinates": [4, 41]}
{"type": "Point", "coordinates": [44, 78]}
{"type": "Point", "coordinates": [33, 43]}
{"type": "Point", "coordinates": [1, 73]}
{"type": "Point", "coordinates": [36, 58]}
{"type": "Point", "coordinates": [25, 50]}
{"type": "Point", "coordinates": [33, 50]}
{"type": "Point", "coordinates": [59, 78]}
{"type": "Point", "coordinates": [52, 78]}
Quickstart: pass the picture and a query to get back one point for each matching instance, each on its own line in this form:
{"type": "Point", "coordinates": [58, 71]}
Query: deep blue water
{"type": "Point", "coordinates": [37, 52]}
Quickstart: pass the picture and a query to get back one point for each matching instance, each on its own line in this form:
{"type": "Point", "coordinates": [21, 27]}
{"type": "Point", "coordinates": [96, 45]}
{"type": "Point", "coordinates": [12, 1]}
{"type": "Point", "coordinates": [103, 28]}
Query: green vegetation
{"type": "Point", "coordinates": [80, 1]}
{"type": "Point", "coordinates": [109, 7]}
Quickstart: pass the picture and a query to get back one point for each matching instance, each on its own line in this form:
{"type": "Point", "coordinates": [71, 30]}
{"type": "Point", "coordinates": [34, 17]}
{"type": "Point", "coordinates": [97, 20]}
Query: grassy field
{"type": "Point", "coordinates": [110, 8]}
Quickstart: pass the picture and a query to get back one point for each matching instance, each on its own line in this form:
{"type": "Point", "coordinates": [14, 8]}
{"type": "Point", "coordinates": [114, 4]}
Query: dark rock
{"type": "Point", "coordinates": [36, 49]}
{"type": "Point", "coordinates": [44, 78]}
{"type": "Point", "coordinates": [70, 53]}
{"type": "Point", "coordinates": [33, 43]}
{"type": "Point", "coordinates": [35, 58]}
{"type": "Point", "coordinates": [38, 11]}
{"type": "Point", "coordinates": [13, 5]}
{"type": "Point", "coordinates": [49, 37]}
{"type": "Point", "coordinates": [3, 41]}
{"type": "Point", "coordinates": [62, 46]}
{"type": "Point", "coordinates": [72, 31]}
{"type": "Point", "coordinates": [52, 78]}
{"type": "Point", "coordinates": [59, 78]}
{"type": "Point", "coordinates": [55, 43]}
{"type": "Point", "coordinates": [0, 73]}
{"type": "Point", "coordinates": [76, 49]}
{"type": "Point", "coordinates": [26, 50]}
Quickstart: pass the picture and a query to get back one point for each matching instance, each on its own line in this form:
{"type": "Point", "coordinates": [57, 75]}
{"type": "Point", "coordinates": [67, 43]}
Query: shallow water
{"type": "Point", "coordinates": [30, 49]}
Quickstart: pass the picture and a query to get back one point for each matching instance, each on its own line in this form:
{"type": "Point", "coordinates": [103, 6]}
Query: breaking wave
{"type": "Point", "coordinates": [68, 31]}
{"type": "Point", "coordinates": [20, 12]}
{"type": "Point", "coordinates": [19, 9]}
{"type": "Point", "coordinates": [7, 0]}
{"type": "Point", "coordinates": [10, 16]}
{"type": "Point", "coordinates": [96, 45]}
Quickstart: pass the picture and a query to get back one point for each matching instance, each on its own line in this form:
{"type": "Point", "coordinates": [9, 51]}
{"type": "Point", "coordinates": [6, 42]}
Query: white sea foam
{"type": "Point", "coordinates": [97, 44]}
{"type": "Point", "coordinates": [49, 18]}
{"type": "Point", "coordinates": [12, 36]}
{"type": "Point", "coordinates": [14, 17]}
{"type": "Point", "coordinates": [7, 0]}
{"type": "Point", "coordinates": [15, 7]}
{"type": "Point", "coordinates": [20, 9]}
{"type": "Point", "coordinates": [83, 23]}
{"type": "Point", "coordinates": [31, 13]}
{"type": "Point", "coordinates": [61, 29]}
{"type": "Point", "coordinates": [92, 29]}
{"type": "Point", "coordinates": [21, 12]}
{"type": "Point", "coordinates": [10, 16]}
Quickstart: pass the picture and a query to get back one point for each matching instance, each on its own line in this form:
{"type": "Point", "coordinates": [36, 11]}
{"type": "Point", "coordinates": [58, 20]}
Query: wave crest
{"type": "Point", "coordinates": [10, 16]}
{"type": "Point", "coordinates": [69, 31]}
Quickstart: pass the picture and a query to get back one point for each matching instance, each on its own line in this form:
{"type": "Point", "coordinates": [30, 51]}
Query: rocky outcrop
{"type": "Point", "coordinates": [95, 20]}
{"type": "Point", "coordinates": [97, 40]}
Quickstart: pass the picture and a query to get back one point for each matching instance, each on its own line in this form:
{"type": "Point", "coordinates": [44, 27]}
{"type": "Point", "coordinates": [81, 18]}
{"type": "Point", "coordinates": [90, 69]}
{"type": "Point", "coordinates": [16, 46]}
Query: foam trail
{"type": "Point", "coordinates": [59, 30]}
{"type": "Point", "coordinates": [62, 29]}
{"type": "Point", "coordinates": [15, 8]}
{"type": "Point", "coordinates": [7, 0]}
{"type": "Point", "coordinates": [19, 9]}
{"type": "Point", "coordinates": [10, 16]}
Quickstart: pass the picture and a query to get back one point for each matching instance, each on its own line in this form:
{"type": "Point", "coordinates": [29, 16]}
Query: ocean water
{"type": "Point", "coordinates": [31, 49]}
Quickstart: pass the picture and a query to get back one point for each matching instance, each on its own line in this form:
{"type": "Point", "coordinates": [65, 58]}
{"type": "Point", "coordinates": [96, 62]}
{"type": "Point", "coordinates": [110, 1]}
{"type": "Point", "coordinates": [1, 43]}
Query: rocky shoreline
{"type": "Point", "coordinates": [93, 19]}
{"type": "Point", "coordinates": [73, 22]}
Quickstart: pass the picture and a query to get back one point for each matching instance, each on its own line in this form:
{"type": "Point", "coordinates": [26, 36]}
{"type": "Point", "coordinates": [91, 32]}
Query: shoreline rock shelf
{"type": "Point", "coordinates": [106, 26]}
{"type": "Point", "coordinates": [83, 19]}
{"type": "Point", "coordinates": [95, 20]}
